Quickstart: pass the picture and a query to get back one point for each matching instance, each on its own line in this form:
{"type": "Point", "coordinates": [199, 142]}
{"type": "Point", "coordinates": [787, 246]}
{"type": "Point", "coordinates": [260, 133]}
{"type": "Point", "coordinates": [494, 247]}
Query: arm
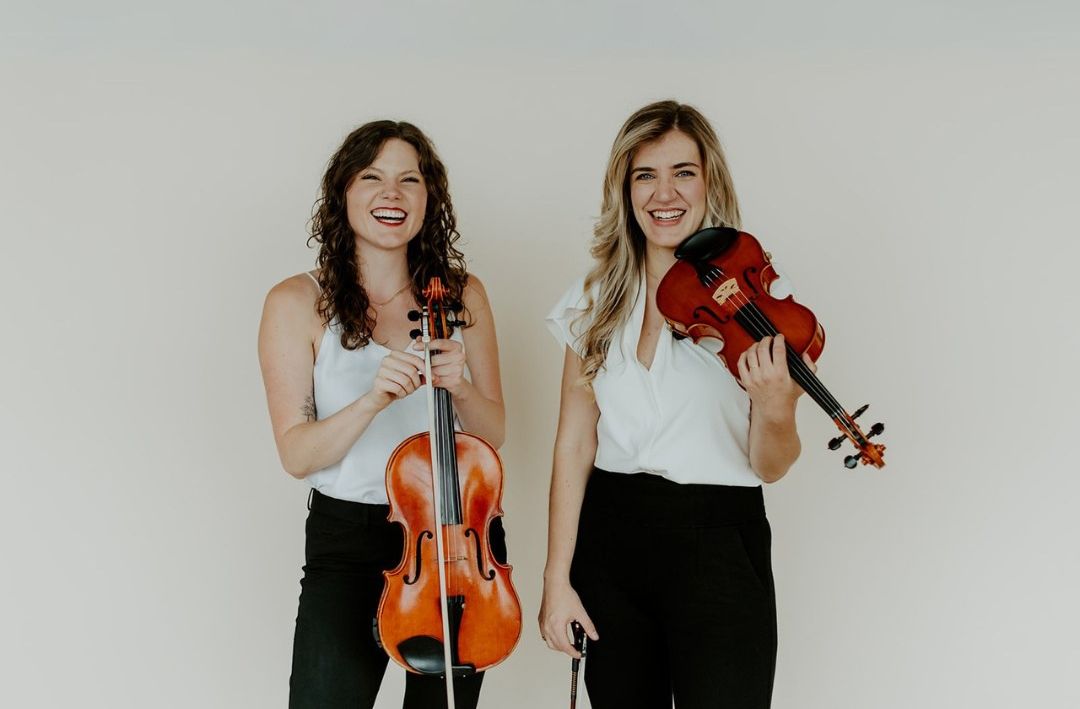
{"type": "Point", "coordinates": [774, 442]}
{"type": "Point", "coordinates": [478, 402]}
{"type": "Point", "coordinates": [575, 452]}
{"type": "Point", "coordinates": [287, 357]}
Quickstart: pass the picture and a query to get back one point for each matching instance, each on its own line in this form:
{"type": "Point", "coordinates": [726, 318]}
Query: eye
{"type": "Point", "coordinates": [685, 173]}
{"type": "Point", "coordinates": [369, 176]}
{"type": "Point", "coordinates": [411, 179]}
{"type": "Point", "coordinates": [643, 176]}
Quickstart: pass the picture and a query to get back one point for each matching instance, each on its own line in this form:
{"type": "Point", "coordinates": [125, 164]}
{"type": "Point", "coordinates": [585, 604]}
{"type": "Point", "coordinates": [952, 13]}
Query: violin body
{"type": "Point", "coordinates": [449, 608]}
{"type": "Point", "coordinates": [702, 311]}
{"type": "Point", "coordinates": [718, 289]}
{"type": "Point", "coordinates": [410, 617]}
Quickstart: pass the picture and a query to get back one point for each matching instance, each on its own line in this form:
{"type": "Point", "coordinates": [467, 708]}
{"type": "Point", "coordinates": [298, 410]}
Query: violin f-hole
{"type": "Point", "coordinates": [419, 556]}
{"type": "Point", "coordinates": [748, 278]}
{"type": "Point", "coordinates": [490, 574]}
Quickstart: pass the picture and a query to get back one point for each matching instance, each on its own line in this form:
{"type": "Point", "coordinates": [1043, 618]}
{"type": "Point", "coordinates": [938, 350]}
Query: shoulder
{"type": "Point", "coordinates": [566, 320]}
{"type": "Point", "coordinates": [574, 298]}
{"type": "Point", "coordinates": [293, 299]}
{"type": "Point", "coordinates": [474, 296]}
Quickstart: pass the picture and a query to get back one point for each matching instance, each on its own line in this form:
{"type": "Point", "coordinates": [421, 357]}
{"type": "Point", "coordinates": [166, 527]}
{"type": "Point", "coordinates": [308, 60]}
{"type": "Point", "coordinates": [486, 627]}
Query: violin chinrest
{"type": "Point", "coordinates": [706, 244]}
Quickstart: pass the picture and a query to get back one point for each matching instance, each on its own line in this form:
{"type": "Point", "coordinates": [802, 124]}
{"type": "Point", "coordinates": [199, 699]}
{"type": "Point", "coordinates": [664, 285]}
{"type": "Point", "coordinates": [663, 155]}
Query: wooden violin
{"type": "Point", "coordinates": [445, 488]}
{"type": "Point", "coordinates": [719, 289]}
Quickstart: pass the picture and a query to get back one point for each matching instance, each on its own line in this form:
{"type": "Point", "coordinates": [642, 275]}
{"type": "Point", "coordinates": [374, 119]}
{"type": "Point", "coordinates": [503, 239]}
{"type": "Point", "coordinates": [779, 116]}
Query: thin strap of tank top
{"type": "Point", "coordinates": [313, 279]}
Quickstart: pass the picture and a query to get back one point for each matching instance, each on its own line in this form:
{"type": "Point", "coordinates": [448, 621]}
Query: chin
{"type": "Point", "coordinates": [669, 240]}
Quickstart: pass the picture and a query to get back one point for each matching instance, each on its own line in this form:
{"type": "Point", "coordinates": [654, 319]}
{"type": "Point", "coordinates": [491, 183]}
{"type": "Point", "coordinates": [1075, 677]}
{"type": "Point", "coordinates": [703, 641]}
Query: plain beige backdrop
{"type": "Point", "coordinates": [913, 167]}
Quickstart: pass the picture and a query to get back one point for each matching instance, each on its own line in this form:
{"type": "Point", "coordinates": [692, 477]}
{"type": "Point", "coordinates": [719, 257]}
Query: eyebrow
{"type": "Point", "coordinates": [407, 172]}
{"type": "Point", "coordinates": [676, 166]}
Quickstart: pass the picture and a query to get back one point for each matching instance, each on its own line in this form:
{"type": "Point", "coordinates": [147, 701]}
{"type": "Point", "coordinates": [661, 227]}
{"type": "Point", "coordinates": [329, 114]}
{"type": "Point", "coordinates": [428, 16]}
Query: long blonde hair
{"type": "Point", "coordinates": [618, 242]}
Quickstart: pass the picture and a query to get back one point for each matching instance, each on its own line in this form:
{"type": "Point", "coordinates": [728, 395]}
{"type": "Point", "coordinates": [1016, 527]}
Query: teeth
{"type": "Point", "coordinates": [668, 213]}
{"type": "Point", "coordinates": [388, 214]}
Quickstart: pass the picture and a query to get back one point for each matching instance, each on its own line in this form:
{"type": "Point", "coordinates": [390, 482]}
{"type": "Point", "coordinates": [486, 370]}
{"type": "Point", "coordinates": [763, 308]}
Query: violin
{"type": "Point", "coordinates": [449, 603]}
{"type": "Point", "coordinates": [718, 289]}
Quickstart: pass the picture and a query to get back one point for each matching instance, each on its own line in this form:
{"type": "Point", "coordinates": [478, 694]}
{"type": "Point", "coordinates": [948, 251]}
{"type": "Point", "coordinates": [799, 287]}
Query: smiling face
{"type": "Point", "coordinates": [386, 200]}
{"type": "Point", "coordinates": [667, 189]}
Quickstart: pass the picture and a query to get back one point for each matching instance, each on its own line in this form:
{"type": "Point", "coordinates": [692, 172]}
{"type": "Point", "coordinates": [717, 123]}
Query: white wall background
{"type": "Point", "coordinates": [913, 166]}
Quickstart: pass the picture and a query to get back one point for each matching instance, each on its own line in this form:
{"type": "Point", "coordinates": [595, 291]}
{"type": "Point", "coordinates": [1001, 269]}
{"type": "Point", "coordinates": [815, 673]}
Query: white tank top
{"type": "Point", "coordinates": [341, 377]}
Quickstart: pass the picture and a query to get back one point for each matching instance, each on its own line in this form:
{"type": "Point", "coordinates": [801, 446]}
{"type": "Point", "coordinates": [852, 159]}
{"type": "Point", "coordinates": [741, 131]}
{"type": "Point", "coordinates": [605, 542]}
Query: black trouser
{"type": "Point", "coordinates": [336, 662]}
{"type": "Point", "coordinates": [678, 581]}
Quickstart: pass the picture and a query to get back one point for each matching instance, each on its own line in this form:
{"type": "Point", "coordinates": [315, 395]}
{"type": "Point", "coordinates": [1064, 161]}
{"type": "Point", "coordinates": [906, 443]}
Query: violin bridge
{"type": "Point", "coordinates": [726, 290]}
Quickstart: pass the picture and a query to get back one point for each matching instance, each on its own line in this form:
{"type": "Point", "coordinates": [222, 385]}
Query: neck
{"type": "Point", "coordinates": [382, 273]}
{"type": "Point", "coordinates": [657, 262]}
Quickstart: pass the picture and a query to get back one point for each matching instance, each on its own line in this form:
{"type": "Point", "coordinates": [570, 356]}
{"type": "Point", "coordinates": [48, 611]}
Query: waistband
{"type": "Point", "coordinates": [650, 500]}
{"type": "Point", "coordinates": [347, 510]}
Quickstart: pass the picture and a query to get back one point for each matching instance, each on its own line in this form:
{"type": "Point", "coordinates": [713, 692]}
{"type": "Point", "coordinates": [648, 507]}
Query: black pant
{"type": "Point", "coordinates": [678, 581]}
{"type": "Point", "coordinates": [336, 662]}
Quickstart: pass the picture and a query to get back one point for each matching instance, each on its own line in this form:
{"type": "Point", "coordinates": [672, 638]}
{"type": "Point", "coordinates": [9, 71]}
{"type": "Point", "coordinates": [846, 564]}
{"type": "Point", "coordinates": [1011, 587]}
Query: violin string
{"type": "Point", "coordinates": [811, 383]}
{"type": "Point", "coordinates": [452, 484]}
{"type": "Point", "coordinates": [448, 459]}
{"type": "Point", "coordinates": [455, 490]}
{"type": "Point", "coordinates": [764, 327]}
{"type": "Point", "coordinates": [437, 458]}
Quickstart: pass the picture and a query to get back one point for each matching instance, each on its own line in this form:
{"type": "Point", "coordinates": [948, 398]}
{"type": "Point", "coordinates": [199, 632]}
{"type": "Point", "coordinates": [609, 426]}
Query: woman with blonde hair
{"type": "Point", "coordinates": [658, 544]}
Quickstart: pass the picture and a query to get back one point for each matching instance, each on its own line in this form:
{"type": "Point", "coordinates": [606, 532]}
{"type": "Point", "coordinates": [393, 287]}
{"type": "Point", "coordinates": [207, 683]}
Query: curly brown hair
{"type": "Point", "coordinates": [430, 253]}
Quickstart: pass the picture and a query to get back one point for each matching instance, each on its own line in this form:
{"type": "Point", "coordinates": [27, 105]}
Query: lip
{"type": "Point", "coordinates": [675, 221]}
{"type": "Point", "coordinates": [389, 216]}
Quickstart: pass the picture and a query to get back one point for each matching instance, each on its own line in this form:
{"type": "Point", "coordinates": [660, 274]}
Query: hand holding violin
{"type": "Point", "coordinates": [764, 374]}
{"type": "Point", "coordinates": [448, 366]}
{"type": "Point", "coordinates": [401, 373]}
{"type": "Point", "coordinates": [398, 376]}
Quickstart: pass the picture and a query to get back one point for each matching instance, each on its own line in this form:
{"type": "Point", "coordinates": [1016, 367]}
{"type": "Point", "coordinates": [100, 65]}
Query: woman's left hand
{"type": "Point", "coordinates": [763, 372]}
{"type": "Point", "coordinates": [448, 366]}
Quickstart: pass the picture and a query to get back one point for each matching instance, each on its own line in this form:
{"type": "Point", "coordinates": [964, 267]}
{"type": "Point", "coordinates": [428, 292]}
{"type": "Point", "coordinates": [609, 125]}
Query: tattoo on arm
{"type": "Point", "coordinates": [310, 414]}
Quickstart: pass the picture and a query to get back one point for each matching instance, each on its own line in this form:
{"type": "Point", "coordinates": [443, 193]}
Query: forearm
{"type": "Point", "coordinates": [480, 415]}
{"type": "Point", "coordinates": [570, 474]}
{"type": "Point", "coordinates": [774, 442]}
{"type": "Point", "coordinates": [314, 445]}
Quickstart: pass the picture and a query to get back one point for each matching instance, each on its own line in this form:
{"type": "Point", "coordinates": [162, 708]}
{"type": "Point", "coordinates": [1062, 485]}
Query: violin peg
{"type": "Point", "coordinates": [860, 411]}
{"type": "Point", "coordinates": [836, 442]}
{"type": "Point", "coordinates": [876, 430]}
{"type": "Point", "coordinates": [851, 461]}
{"type": "Point", "coordinates": [414, 333]}
{"type": "Point", "coordinates": [456, 323]}
{"type": "Point", "coordinates": [414, 315]}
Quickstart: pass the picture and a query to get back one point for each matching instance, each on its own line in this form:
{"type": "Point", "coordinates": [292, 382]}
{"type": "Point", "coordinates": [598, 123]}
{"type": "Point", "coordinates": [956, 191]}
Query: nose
{"type": "Point", "coordinates": [391, 191]}
{"type": "Point", "coordinates": [665, 189]}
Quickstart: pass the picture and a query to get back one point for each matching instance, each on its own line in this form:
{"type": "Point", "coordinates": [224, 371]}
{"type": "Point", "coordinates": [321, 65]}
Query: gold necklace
{"type": "Point", "coordinates": [390, 299]}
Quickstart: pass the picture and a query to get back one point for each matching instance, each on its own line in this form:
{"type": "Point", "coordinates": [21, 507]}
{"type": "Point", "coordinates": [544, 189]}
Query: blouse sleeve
{"type": "Point", "coordinates": [561, 320]}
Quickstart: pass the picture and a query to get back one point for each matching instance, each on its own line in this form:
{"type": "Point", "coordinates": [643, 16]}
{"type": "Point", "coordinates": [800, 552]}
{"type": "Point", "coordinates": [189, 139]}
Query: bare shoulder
{"type": "Point", "coordinates": [294, 300]}
{"type": "Point", "coordinates": [474, 297]}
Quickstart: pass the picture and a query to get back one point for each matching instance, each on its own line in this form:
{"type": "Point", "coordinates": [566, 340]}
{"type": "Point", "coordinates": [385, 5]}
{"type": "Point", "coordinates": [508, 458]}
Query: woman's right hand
{"type": "Point", "coordinates": [399, 375]}
{"type": "Point", "coordinates": [560, 606]}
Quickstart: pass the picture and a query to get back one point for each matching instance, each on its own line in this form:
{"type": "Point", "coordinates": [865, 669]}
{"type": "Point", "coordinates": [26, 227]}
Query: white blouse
{"type": "Point", "coordinates": [341, 376]}
{"type": "Point", "coordinates": [686, 418]}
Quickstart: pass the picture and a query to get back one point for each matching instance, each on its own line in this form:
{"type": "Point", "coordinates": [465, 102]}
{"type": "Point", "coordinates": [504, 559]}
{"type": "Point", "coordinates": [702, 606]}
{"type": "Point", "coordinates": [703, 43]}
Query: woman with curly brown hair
{"type": "Point", "coordinates": [658, 544]}
{"type": "Point", "coordinates": [340, 372]}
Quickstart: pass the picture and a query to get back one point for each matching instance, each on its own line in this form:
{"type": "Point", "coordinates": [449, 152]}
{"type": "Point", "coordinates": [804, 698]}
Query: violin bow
{"type": "Point", "coordinates": [436, 292]}
{"type": "Point", "coordinates": [579, 645]}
